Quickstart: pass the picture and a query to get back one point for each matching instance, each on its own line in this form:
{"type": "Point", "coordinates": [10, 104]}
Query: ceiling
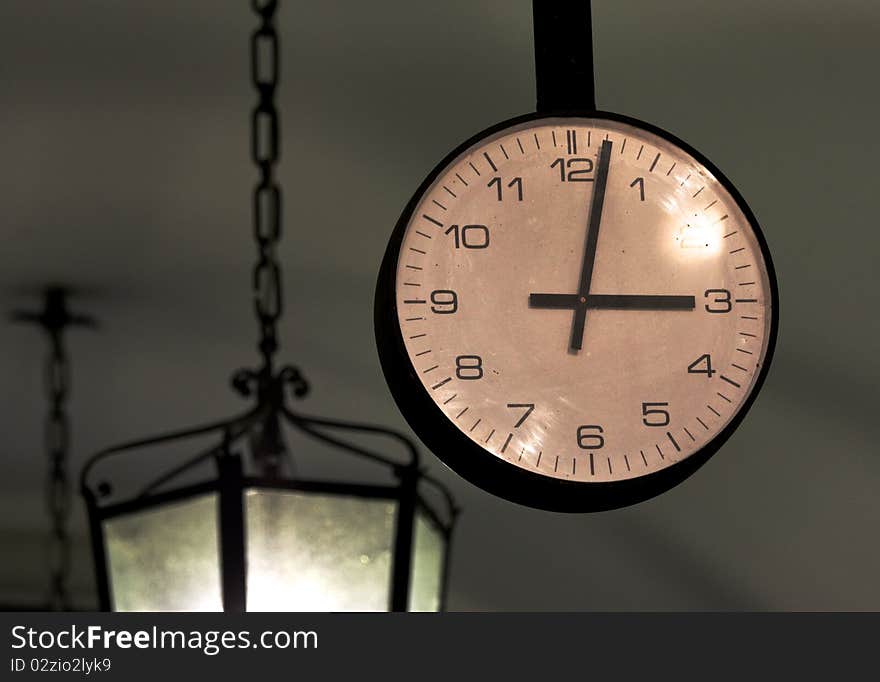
{"type": "Point", "coordinates": [126, 175]}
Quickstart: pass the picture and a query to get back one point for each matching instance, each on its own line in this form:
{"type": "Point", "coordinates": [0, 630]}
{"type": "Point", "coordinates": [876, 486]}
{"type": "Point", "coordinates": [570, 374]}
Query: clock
{"type": "Point", "coordinates": [575, 310]}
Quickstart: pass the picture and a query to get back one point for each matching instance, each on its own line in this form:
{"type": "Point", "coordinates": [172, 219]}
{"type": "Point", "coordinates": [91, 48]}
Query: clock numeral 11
{"type": "Point", "coordinates": [516, 182]}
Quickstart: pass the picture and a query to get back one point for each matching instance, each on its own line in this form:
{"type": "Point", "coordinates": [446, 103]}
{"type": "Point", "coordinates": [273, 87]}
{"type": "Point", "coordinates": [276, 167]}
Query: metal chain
{"type": "Point", "coordinates": [58, 496]}
{"type": "Point", "coordinates": [265, 151]}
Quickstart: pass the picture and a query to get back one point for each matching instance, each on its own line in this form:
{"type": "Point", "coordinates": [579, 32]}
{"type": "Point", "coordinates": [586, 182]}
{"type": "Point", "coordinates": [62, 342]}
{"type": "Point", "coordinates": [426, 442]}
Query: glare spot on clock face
{"type": "Point", "coordinates": [583, 299]}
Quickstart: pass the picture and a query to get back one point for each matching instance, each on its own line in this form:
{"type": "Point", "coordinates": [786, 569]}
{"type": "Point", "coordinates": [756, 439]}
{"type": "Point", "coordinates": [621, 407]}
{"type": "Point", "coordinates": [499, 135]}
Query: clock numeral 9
{"type": "Point", "coordinates": [652, 415]}
{"type": "Point", "coordinates": [469, 367]}
{"type": "Point", "coordinates": [721, 300]}
{"type": "Point", "coordinates": [590, 437]}
{"type": "Point", "coordinates": [469, 236]}
{"type": "Point", "coordinates": [706, 361]}
{"type": "Point", "coordinates": [516, 182]}
{"type": "Point", "coordinates": [577, 168]}
{"type": "Point", "coordinates": [445, 301]}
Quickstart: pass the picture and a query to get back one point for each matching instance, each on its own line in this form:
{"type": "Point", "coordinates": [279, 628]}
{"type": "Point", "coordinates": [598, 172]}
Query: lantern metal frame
{"type": "Point", "coordinates": [231, 482]}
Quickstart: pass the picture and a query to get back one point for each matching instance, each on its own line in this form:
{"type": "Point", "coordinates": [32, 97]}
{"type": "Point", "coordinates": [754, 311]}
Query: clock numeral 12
{"type": "Point", "coordinates": [577, 168]}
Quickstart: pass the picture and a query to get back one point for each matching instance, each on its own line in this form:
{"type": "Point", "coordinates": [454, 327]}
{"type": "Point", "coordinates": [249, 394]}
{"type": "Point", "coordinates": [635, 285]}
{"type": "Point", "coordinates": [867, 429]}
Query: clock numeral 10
{"type": "Point", "coordinates": [654, 415]}
{"type": "Point", "coordinates": [702, 365]}
{"type": "Point", "coordinates": [590, 437]}
{"type": "Point", "coordinates": [577, 169]}
{"type": "Point", "coordinates": [469, 236]}
{"type": "Point", "coordinates": [516, 182]}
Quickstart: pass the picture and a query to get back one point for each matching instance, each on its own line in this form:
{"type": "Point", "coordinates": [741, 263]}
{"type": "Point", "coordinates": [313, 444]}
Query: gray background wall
{"type": "Point", "coordinates": [125, 172]}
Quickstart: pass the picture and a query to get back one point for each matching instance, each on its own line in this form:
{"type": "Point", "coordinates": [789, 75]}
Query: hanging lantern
{"type": "Point", "coordinates": [233, 527]}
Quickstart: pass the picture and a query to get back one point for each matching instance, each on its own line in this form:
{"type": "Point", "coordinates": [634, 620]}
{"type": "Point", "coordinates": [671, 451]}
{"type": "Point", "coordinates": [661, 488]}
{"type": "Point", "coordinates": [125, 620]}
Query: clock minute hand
{"type": "Point", "coordinates": [613, 301]}
{"type": "Point", "coordinates": [595, 219]}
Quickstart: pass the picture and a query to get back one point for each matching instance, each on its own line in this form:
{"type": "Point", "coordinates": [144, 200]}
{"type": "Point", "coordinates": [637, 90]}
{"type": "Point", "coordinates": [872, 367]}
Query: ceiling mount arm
{"type": "Point", "coordinates": [564, 55]}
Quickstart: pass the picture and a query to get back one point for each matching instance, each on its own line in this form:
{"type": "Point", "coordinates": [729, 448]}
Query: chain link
{"type": "Point", "coordinates": [265, 151]}
{"type": "Point", "coordinates": [58, 496]}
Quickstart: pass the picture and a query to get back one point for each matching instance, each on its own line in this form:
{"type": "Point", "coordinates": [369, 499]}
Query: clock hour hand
{"type": "Point", "coordinates": [595, 219]}
{"type": "Point", "coordinates": [612, 302]}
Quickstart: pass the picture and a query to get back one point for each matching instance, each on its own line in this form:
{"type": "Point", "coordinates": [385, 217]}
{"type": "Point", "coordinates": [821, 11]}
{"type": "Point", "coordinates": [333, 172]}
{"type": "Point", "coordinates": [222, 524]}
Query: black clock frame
{"type": "Point", "coordinates": [482, 467]}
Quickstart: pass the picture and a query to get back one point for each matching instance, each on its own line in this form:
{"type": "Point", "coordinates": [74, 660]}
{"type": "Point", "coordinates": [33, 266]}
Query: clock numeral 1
{"type": "Point", "coordinates": [469, 236]}
{"type": "Point", "coordinates": [702, 365]}
{"type": "Point", "coordinates": [516, 182]}
{"type": "Point", "coordinates": [652, 415]}
{"type": "Point", "coordinates": [590, 437]}
{"type": "Point", "coordinates": [640, 183]}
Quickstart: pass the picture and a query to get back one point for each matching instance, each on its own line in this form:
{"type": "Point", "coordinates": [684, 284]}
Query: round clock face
{"type": "Point", "coordinates": [574, 312]}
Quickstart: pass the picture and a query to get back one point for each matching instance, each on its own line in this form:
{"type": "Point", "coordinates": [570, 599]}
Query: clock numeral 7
{"type": "Point", "coordinates": [516, 182]}
{"type": "Point", "coordinates": [577, 168]}
{"type": "Point", "coordinates": [653, 415]}
{"type": "Point", "coordinates": [528, 407]}
{"type": "Point", "coordinates": [469, 236]}
{"type": "Point", "coordinates": [590, 437]}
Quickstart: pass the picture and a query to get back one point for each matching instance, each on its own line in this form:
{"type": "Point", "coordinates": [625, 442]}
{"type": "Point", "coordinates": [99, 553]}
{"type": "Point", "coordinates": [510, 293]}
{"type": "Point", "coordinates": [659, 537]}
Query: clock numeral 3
{"type": "Point", "coordinates": [721, 301]}
{"type": "Point", "coordinates": [445, 301]}
{"type": "Point", "coordinates": [590, 437]}
{"type": "Point", "coordinates": [469, 236]}
{"type": "Point", "coordinates": [652, 415]}
{"type": "Point", "coordinates": [469, 367]}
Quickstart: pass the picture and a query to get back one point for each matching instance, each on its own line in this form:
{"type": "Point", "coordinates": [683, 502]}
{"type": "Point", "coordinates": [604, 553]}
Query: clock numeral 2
{"type": "Point", "coordinates": [577, 168]}
{"type": "Point", "coordinates": [469, 367]}
{"type": "Point", "coordinates": [469, 236]}
{"type": "Point", "coordinates": [516, 182]}
{"type": "Point", "coordinates": [590, 437]}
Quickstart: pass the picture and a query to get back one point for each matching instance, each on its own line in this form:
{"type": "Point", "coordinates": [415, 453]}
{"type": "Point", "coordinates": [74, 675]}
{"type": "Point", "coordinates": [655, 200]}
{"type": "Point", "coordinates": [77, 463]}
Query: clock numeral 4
{"type": "Point", "coordinates": [516, 182]}
{"type": "Point", "coordinates": [469, 367]}
{"type": "Point", "coordinates": [590, 437]}
{"type": "Point", "coordinates": [654, 415]}
{"type": "Point", "coordinates": [445, 302]}
{"type": "Point", "coordinates": [702, 365]}
{"type": "Point", "coordinates": [469, 236]}
{"type": "Point", "coordinates": [720, 302]}
{"type": "Point", "coordinates": [576, 169]}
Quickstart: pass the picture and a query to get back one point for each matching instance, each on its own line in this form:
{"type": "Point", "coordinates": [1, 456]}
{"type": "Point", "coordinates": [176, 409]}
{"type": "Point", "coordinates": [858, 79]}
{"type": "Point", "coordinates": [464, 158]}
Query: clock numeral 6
{"type": "Point", "coordinates": [469, 367]}
{"type": "Point", "coordinates": [577, 168]}
{"type": "Point", "coordinates": [721, 299]}
{"type": "Point", "coordinates": [516, 182]}
{"type": "Point", "coordinates": [590, 437]}
{"type": "Point", "coordinates": [652, 415]}
{"type": "Point", "coordinates": [702, 365]}
{"type": "Point", "coordinates": [445, 301]}
{"type": "Point", "coordinates": [469, 236]}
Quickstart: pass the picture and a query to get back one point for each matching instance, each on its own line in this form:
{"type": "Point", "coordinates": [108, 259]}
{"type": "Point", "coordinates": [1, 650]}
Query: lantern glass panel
{"type": "Point", "coordinates": [165, 558]}
{"type": "Point", "coordinates": [318, 552]}
{"type": "Point", "coordinates": [426, 573]}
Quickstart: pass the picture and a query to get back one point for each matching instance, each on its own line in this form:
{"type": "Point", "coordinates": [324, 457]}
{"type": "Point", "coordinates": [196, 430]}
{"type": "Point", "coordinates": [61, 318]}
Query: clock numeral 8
{"type": "Point", "coordinates": [722, 299]}
{"type": "Point", "coordinates": [445, 301]}
{"type": "Point", "coordinates": [469, 367]}
{"type": "Point", "coordinates": [590, 437]}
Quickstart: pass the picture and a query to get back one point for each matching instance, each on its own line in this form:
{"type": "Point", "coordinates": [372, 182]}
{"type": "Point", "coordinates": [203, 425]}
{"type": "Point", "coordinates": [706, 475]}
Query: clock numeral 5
{"type": "Point", "coordinates": [652, 415]}
{"type": "Point", "coordinates": [721, 301]}
{"type": "Point", "coordinates": [469, 236]}
{"type": "Point", "coordinates": [590, 437]}
{"type": "Point", "coordinates": [469, 367]}
{"type": "Point", "coordinates": [516, 182]}
{"type": "Point", "coordinates": [445, 301]}
{"type": "Point", "coordinates": [577, 168]}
